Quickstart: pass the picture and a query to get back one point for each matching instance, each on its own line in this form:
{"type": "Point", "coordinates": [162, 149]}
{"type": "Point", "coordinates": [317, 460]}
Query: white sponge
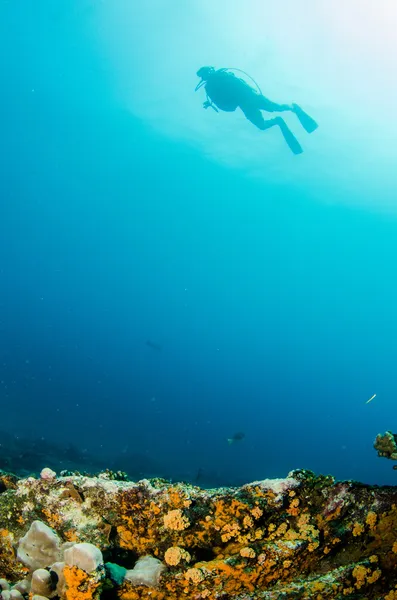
{"type": "Point", "coordinates": [57, 568]}
{"type": "Point", "coordinates": [147, 571]}
{"type": "Point", "coordinates": [23, 586]}
{"type": "Point", "coordinates": [42, 584]}
{"type": "Point", "coordinates": [84, 556]}
{"type": "Point", "coordinates": [39, 547]}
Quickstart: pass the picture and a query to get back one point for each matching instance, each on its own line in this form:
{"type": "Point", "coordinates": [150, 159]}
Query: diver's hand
{"type": "Point", "coordinates": [209, 104]}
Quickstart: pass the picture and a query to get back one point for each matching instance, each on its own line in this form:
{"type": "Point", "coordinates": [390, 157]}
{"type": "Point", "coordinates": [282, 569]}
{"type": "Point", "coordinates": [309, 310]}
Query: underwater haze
{"type": "Point", "coordinates": [172, 278]}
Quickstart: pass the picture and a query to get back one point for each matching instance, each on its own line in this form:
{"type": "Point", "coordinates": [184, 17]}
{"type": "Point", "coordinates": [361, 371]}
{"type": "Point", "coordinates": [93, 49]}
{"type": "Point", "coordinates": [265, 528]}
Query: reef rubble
{"type": "Point", "coordinates": [78, 537]}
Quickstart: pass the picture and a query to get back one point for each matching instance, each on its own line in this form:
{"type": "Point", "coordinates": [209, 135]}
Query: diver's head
{"type": "Point", "coordinates": [205, 72]}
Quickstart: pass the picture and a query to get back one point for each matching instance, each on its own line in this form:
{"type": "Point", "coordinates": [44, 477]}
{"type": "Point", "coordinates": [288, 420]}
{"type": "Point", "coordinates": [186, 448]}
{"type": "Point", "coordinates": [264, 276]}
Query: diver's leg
{"type": "Point", "coordinates": [307, 122]}
{"type": "Point", "coordinates": [256, 117]}
{"type": "Point", "coordinates": [265, 104]}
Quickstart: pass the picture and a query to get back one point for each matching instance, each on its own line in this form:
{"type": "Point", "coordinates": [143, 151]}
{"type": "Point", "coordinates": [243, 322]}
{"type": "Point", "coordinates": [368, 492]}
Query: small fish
{"type": "Point", "coordinates": [237, 437]}
{"type": "Point", "coordinates": [372, 397]}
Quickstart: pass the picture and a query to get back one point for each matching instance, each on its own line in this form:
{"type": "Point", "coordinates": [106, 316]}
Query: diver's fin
{"type": "Point", "coordinates": [306, 120]}
{"type": "Point", "coordinates": [289, 137]}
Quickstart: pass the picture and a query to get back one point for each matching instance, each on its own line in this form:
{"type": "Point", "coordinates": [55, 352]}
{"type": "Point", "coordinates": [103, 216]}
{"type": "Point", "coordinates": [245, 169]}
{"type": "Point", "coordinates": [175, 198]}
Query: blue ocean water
{"type": "Point", "coordinates": [170, 276]}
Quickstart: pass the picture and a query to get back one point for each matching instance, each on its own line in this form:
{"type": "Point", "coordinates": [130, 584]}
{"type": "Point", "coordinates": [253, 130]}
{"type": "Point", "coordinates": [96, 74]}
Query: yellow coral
{"type": "Point", "coordinates": [364, 575]}
{"type": "Point", "coordinates": [229, 530]}
{"type": "Point", "coordinates": [177, 497]}
{"type": "Point", "coordinates": [313, 546]}
{"type": "Point", "coordinates": [318, 586]}
{"type": "Point", "coordinates": [175, 519]}
{"type": "Point", "coordinates": [248, 522]}
{"type": "Point", "coordinates": [175, 554]}
{"type": "Point", "coordinates": [358, 529]}
{"type": "Point", "coordinates": [194, 575]}
{"type": "Point", "coordinates": [126, 538]}
{"type": "Point", "coordinates": [247, 552]}
{"type": "Point", "coordinates": [371, 519]}
{"type": "Point", "coordinates": [282, 528]}
{"type": "Point", "coordinates": [375, 576]}
{"type": "Point", "coordinates": [373, 558]}
{"type": "Point", "coordinates": [303, 520]}
{"type": "Point", "coordinates": [359, 573]}
{"type": "Point", "coordinates": [79, 585]}
{"type": "Point", "coordinates": [257, 512]}
{"type": "Point", "coordinates": [71, 535]}
{"type": "Point", "coordinates": [293, 507]}
{"type": "Point", "coordinates": [261, 558]}
{"type": "Point", "coordinates": [154, 508]}
{"type": "Point", "coordinates": [53, 519]}
{"type": "Point", "coordinates": [348, 591]}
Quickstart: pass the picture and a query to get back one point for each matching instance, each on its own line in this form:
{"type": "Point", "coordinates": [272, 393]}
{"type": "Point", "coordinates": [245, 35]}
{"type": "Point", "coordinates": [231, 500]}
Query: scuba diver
{"type": "Point", "coordinates": [227, 92]}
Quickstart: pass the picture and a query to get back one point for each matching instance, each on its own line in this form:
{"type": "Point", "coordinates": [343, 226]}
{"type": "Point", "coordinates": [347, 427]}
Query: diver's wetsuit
{"type": "Point", "coordinates": [228, 92]}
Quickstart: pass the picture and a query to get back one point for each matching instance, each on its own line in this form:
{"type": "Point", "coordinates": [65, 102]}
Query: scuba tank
{"type": "Point", "coordinates": [209, 103]}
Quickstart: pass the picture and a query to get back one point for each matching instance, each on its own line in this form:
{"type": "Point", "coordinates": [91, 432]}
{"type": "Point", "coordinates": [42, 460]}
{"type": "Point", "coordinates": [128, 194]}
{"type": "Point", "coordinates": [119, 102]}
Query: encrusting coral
{"type": "Point", "coordinates": [304, 536]}
{"type": "Point", "coordinates": [386, 445]}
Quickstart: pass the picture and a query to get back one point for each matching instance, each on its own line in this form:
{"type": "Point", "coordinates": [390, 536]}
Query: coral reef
{"type": "Point", "coordinates": [85, 538]}
{"type": "Point", "coordinates": [386, 445]}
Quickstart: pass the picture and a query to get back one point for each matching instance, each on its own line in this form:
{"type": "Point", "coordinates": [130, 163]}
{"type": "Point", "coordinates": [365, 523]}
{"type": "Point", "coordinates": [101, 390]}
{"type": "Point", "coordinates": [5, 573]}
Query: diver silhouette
{"type": "Point", "coordinates": [227, 92]}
